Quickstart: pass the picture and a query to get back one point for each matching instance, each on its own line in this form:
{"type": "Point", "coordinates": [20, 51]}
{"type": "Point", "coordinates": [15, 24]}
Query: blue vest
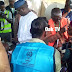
{"type": "Point", "coordinates": [33, 57]}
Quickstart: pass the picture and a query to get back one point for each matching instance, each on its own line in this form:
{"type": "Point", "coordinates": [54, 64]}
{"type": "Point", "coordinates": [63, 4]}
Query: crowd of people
{"type": "Point", "coordinates": [25, 46]}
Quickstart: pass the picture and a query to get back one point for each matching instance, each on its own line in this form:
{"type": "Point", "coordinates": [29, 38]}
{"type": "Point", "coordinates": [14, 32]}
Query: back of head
{"type": "Point", "coordinates": [56, 12]}
{"type": "Point", "coordinates": [38, 26]}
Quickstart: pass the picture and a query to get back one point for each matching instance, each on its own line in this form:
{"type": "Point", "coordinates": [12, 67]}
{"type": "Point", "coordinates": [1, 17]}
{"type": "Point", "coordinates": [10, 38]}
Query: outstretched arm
{"type": "Point", "coordinates": [51, 38]}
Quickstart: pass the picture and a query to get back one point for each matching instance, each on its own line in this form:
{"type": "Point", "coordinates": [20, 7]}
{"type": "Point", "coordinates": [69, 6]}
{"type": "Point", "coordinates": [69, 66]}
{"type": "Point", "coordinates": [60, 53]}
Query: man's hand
{"type": "Point", "coordinates": [62, 30]}
{"type": "Point", "coordinates": [3, 15]}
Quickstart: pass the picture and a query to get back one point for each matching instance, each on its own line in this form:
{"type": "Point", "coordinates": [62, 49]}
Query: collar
{"type": "Point", "coordinates": [36, 40]}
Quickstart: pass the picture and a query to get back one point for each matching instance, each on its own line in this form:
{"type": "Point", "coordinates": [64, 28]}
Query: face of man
{"type": "Point", "coordinates": [2, 7]}
{"type": "Point", "coordinates": [21, 11]}
{"type": "Point", "coordinates": [56, 16]}
{"type": "Point", "coordinates": [56, 19]}
{"type": "Point", "coordinates": [11, 2]}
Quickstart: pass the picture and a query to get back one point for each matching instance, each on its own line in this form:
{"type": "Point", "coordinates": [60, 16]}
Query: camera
{"type": "Point", "coordinates": [66, 45]}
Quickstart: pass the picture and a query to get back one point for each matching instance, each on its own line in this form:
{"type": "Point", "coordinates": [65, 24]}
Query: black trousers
{"type": "Point", "coordinates": [6, 36]}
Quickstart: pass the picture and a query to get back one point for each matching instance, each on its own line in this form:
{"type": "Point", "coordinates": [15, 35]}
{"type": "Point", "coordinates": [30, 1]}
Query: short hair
{"type": "Point", "coordinates": [55, 10]}
{"type": "Point", "coordinates": [38, 26]}
{"type": "Point", "coordinates": [1, 3]}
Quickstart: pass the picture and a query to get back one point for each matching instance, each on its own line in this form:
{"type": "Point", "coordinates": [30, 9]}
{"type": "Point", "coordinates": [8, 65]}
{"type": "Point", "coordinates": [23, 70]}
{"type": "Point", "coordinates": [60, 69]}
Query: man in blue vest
{"type": "Point", "coordinates": [35, 55]}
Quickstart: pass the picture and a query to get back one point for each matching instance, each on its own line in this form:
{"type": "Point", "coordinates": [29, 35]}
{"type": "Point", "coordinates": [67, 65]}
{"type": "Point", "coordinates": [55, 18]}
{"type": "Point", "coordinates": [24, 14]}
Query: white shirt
{"type": "Point", "coordinates": [13, 10]}
{"type": "Point", "coordinates": [24, 34]}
